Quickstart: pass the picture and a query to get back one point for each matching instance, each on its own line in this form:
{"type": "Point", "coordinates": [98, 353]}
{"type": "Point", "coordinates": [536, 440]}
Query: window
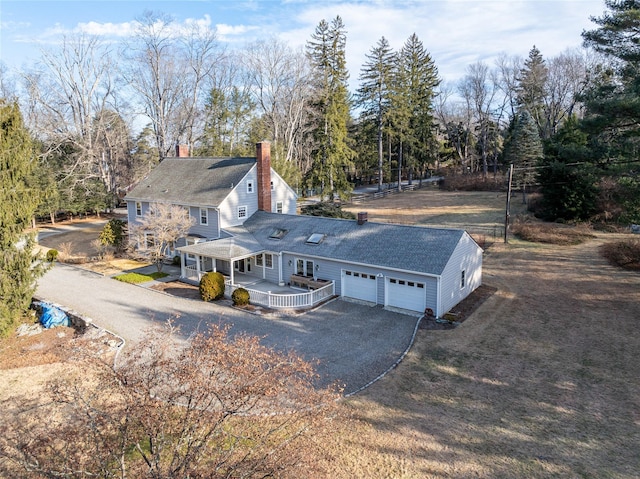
{"type": "Point", "coordinates": [204, 216]}
{"type": "Point", "coordinates": [249, 186]}
{"type": "Point", "coordinates": [272, 187]}
{"type": "Point", "coordinates": [304, 267]}
{"type": "Point", "coordinates": [242, 212]}
{"type": "Point", "coordinates": [265, 260]}
{"type": "Point", "coordinates": [315, 238]}
{"type": "Point", "coordinates": [279, 207]}
{"type": "Point", "coordinates": [462, 279]}
{"type": "Point", "coordinates": [190, 241]}
{"type": "Point", "coordinates": [278, 234]}
{"type": "Point", "coordinates": [138, 208]}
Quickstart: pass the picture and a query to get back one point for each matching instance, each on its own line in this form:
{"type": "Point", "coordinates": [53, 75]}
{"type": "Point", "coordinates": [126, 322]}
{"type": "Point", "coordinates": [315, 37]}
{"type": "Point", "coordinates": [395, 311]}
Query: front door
{"type": "Point", "coordinates": [304, 267]}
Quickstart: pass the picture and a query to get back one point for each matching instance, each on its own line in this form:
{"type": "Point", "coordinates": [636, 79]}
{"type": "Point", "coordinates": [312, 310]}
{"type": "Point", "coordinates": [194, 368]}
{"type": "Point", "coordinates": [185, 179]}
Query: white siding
{"type": "Point", "coordinates": [238, 196]}
{"type": "Point", "coordinates": [282, 192]}
{"type": "Point", "coordinates": [466, 257]}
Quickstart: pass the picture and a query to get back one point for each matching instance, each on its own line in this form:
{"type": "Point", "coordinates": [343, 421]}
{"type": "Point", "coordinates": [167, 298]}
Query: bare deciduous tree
{"type": "Point", "coordinates": [280, 81]}
{"type": "Point", "coordinates": [167, 67]}
{"type": "Point", "coordinates": [214, 407]}
{"type": "Point", "coordinates": [158, 229]}
{"type": "Point", "coordinates": [68, 97]}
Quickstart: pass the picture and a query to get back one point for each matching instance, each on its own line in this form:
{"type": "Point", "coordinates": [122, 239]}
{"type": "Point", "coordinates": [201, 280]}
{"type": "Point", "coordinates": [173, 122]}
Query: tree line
{"type": "Point", "coordinates": [103, 115]}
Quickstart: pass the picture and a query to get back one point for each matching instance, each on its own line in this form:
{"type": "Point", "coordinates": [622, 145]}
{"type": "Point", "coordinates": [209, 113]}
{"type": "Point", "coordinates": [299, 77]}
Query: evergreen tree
{"type": "Point", "coordinates": [19, 267]}
{"type": "Point", "coordinates": [332, 153]}
{"type": "Point", "coordinates": [421, 76]}
{"type": "Point", "coordinates": [524, 150]}
{"type": "Point", "coordinates": [613, 101]}
{"type": "Point", "coordinates": [531, 90]}
{"type": "Point", "coordinates": [568, 182]}
{"type": "Point", "coordinates": [373, 96]}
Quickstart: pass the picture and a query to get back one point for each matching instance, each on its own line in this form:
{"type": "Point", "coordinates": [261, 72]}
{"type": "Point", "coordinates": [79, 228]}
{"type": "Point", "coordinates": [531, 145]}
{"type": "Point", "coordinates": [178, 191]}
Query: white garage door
{"type": "Point", "coordinates": [359, 286]}
{"type": "Point", "coordinates": [406, 294]}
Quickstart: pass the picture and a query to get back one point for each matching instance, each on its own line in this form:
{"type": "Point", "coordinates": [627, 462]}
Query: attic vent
{"type": "Point", "coordinates": [277, 234]}
{"type": "Point", "coordinates": [315, 238]}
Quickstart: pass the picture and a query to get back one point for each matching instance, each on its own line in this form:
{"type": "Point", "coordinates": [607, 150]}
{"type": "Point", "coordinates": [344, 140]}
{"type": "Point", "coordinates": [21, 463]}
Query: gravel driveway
{"type": "Point", "coordinates": [353, 343]}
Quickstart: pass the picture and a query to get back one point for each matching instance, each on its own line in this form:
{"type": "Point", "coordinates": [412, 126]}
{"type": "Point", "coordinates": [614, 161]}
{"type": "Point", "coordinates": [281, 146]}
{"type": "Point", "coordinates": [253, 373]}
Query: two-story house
{"type": "Point", "coordinates": [247, 227]}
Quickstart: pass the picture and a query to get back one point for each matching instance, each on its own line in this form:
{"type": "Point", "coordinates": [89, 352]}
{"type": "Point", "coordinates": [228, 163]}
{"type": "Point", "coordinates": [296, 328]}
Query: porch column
{"type": "Point", "coordinates": [198, 267]}
{"type": "Point", "coordinates": [264, 265]}
{"type": "Point", "coordinates": [232, 269]}
{"type": "Point", "coordinates": [280, 280]}
{"type": "Point", "coordinates": [183, 271]}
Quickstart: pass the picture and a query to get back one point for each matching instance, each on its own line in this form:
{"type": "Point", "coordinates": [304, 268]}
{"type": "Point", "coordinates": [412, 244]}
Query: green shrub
{"type": "Point", "coordinates": [212, 286]}
{"type": "Point", "coordinates": [52, 255]}
{"type": "Point", "coordinates": [137, 278]}
{"type": "Point", "coordinates": [176, 260]}
{"type": "Point", "coordinates": [240, 297]}
{"type": "Point", "coordinates": [113, 233]}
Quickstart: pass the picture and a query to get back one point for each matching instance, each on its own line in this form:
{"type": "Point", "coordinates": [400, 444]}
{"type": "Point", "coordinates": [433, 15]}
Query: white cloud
{"type": "Point", "coordinates": [125, 29]}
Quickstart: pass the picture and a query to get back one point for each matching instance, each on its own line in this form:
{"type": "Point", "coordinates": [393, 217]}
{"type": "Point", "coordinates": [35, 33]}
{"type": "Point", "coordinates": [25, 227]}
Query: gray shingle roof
{"type": "Point", "coordinates": [192, 181]}
{"type": "Point", "coordinates": [411, 248]}
{"type": "Point", "coordinates": [240, 244]}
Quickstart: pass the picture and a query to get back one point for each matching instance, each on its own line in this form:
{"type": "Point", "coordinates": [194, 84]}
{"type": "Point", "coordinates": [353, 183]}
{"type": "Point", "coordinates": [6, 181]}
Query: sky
{"type": "Point", "coordinates": [456, 33]}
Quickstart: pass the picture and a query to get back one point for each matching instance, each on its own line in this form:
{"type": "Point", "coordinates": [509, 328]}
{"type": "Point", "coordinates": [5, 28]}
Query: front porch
{"type": "Point", "coordinates": [265, 293]}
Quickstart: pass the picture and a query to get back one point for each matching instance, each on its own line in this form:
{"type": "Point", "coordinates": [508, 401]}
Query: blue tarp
{"type": "Point", "coordinates": [52, 316]}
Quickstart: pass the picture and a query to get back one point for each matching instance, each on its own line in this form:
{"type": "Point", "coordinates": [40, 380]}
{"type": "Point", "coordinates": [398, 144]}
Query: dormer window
{"type": "Point", "coordinates": [204, 216]}
{"type": "Point", "coordinates": [315, 238]}
{"type": "Point", "coordinates": [249, 186]}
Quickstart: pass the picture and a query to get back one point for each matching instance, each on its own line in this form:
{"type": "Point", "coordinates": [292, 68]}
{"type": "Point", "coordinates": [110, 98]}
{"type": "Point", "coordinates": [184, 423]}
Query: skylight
{"type": "Point", "coordinates": [278, 234]}
{"type": "Point", "coordinates": [315, 238]}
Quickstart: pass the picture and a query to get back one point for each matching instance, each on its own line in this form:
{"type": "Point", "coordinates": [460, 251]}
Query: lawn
{"type": "Point", "coordinates": [139, 278]}
{"type": "Point", "coordinates": [542, 381]}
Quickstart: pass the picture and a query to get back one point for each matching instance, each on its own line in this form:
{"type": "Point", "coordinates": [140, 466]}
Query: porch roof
{"type": "Point", "coordinates": [240, 245]}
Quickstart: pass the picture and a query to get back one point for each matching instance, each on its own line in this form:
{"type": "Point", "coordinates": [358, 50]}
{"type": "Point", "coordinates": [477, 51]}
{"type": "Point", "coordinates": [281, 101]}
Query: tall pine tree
{"type": "Point", "coordinates": [524, 150]}
{"type": "Point", "coordinates": [373, 96]}
{"type": "Point", "coordinates": [19, 267]}
{"type": "Point", "coordinates": [531, 90]}
{"type": "Point", "coordinates": [413, 90]}
{"type": "Point", "coordinates": [332, 153]}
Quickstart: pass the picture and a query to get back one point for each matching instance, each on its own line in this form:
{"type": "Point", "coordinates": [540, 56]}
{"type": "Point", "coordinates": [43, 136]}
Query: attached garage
{"type": "Point", "coordinates": [404, 294]}
{"type": "Point", "coordinates": [359, 285]}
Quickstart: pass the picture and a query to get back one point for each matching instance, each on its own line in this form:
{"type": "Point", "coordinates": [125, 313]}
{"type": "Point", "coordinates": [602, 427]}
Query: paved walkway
{"type": "Point", "coordinates": [353, 343]}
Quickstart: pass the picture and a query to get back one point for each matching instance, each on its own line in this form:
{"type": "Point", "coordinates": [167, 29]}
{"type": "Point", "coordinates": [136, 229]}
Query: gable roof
{"type": "Point", "coordinates": [410, 248]}
{"type": "Point", "coordinates": [192, 181]}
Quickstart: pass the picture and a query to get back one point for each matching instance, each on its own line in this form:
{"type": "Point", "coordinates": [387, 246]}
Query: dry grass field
{"type": "Point", "coordinates": [542, 381]}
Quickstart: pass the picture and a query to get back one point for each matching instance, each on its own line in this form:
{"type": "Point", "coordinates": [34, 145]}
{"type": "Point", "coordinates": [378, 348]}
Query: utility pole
{"type": "Point", "coordinates": [507, 212]}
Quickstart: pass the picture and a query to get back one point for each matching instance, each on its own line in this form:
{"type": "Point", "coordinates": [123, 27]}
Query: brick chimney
{"type": "Point", "coordinates": [182, 151]}
{"type": "Point", "coordinates": [362, 217]}
{"type": "Point", "coordinates": [263, 160]}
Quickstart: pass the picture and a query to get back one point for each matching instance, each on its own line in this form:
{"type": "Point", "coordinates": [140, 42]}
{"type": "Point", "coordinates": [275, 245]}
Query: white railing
{"type": "Point", "coordinates": [285, 301]}
{"type": "Point", "coordinates": [191, 273]}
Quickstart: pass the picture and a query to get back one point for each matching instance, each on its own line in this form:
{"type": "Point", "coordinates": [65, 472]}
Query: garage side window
{"type": "Point", "coordinates": [462, 279]}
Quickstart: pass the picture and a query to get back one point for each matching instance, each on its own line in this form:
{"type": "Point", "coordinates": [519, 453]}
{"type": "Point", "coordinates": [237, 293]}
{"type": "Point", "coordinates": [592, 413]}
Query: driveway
{"type": "Point", "coordinates": [352, 343]}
